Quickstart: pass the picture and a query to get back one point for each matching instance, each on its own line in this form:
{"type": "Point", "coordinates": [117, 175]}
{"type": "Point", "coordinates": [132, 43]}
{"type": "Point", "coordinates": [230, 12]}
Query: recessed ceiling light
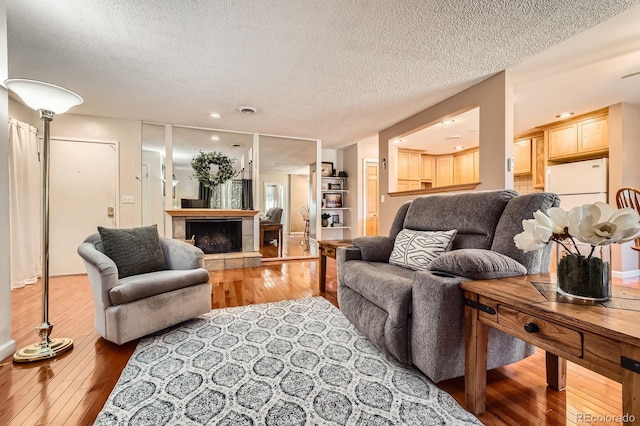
{"type": "Point", "coordinates": [215, 115]}
{"type": "Point", "coordinates": [564, 115]}
{"type": "Point", "coordinates": [458, 147]}
{"type": "Point", "coordinates": [248, 110]}
{"type": "Point", "coordinates": [448, 121]}
{"type": "Point", "coordinates": [397, 141]}
{"type": "Point", "coordinates": [454, 137]}
{"type": "Point", "coordinates": [215, 138]}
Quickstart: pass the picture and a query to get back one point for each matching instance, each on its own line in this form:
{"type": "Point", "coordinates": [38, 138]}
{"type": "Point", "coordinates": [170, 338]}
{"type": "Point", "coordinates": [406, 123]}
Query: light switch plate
{"type": "Point", "coordinates": [128, 199]}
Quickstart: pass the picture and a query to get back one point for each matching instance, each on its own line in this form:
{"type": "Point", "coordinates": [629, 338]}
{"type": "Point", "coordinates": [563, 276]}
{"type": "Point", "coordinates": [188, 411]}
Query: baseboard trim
{"type": "Point", "coordinates": [7, 349]}
{"type": "Point", "coordinates": [626, 274]}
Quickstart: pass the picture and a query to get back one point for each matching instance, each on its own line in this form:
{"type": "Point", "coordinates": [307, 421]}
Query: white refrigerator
{"type": "Point", "coordinates": [582, 182]}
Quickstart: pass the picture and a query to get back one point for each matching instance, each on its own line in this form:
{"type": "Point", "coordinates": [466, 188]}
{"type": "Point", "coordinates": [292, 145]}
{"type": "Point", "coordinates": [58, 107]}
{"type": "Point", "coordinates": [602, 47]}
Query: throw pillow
{"type": "Point", "coordinates": [477, 264]}
{"type": "Point", "coordinates": [416, 249]}
{"type": "Point", "coordinates": [134, 251]}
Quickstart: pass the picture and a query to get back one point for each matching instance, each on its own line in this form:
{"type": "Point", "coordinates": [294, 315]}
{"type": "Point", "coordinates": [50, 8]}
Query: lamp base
{"type": "Point", "coordinates": [36, 352]}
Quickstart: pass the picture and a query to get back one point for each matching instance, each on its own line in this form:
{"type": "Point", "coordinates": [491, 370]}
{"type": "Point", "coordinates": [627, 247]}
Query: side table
{"type": "Point", "coordinates": [328, 248]}
{"type": "Point", "coordinates": [603, 337]}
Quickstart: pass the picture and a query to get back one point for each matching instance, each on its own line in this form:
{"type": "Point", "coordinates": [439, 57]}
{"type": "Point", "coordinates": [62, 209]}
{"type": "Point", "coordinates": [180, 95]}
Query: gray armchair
{"type": "Point", "coordinates": [417, 317]}
{"type": "Point", "coordinates": [134, 306]}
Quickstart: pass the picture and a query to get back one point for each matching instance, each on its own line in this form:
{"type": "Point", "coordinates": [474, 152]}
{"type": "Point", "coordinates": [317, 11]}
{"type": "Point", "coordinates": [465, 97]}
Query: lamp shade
{"type": "Point", "coordinates": [40, 95]}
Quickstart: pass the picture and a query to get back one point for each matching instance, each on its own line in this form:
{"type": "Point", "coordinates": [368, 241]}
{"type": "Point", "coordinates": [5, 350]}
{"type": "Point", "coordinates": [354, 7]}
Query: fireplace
{"type": "Point", "coordinates": [219, 235]}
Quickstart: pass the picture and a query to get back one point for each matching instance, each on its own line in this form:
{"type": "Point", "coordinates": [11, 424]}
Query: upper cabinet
{"type": "Point", "coordinates": [465, 167]}
{"type": "Point", "coordinates": [522, 155]}
{"type": "Point", "coordinates": [585, 136]}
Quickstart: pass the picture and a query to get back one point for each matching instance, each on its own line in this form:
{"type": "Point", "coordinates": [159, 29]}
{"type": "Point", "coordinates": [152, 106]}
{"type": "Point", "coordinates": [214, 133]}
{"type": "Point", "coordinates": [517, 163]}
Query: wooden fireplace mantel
{"type": "Point", "coordinates": [211, 212]}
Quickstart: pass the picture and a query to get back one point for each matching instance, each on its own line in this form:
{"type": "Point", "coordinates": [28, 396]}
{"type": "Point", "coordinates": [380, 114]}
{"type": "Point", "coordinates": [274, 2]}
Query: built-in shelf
{"type": "Point", "coordinates": [335, 190]}
{"type": "Point", "coordinates": [336, 208]}
{"type": "Point", "coordinates": [336, 227]}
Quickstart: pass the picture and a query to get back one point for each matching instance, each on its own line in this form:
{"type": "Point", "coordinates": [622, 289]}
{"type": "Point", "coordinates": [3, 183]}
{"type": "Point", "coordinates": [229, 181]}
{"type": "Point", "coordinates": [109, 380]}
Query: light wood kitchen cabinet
{"type": "Point", "coordinates": [409, 164]}
{"type": "Point", "coordinates": [522, 156]}
{"type": "Point", "coordinates": [463, 168]}
{"type": "Point", "coordinates": [444, 170]}
{"type": "Point", "coordinates": [408, 185]}
{"type": "Point", "coordinates": [428, 165]}
{"type": "Point", "coordinates": [476, 165]}
{"type": "Point", "coordinates": [539, 162]}
{"type": "Point", "coordinates": [586, 136]}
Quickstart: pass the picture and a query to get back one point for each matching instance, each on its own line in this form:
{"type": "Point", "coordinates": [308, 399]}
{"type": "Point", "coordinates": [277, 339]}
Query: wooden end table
{"type": "Point", "coordinates": [264, 227]}
{"type": "Point", "coordinates": [328, 248]}
{"type": "Point", "coordinates": [603, 337]}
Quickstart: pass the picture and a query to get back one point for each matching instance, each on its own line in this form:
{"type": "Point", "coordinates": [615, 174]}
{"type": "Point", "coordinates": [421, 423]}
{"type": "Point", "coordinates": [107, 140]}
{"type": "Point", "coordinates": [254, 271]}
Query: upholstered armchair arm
{"type": "Point", "coordinates": [102, 271]}
{"type": "Point", "coordinates": [374, 248]}
{"type": "Point", "coordinates": [180, 255]}
{"type": "Point", "coordinates": [437, 323]}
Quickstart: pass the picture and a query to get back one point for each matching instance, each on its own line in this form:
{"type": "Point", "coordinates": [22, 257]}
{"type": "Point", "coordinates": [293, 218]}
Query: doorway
{"type": "Point", "coordinates": [82, 196]}
{"type": "Point", "coordinates": [371, 193]}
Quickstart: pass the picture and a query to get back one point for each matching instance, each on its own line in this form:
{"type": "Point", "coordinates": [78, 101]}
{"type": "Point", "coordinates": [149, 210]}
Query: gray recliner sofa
{"type": "Point", "coordinates": [417, 317]}
{"type": "Point", "coordinates": [134, 306]}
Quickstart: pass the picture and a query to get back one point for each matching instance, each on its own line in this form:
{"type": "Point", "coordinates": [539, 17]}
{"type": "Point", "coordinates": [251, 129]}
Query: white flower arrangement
{"type": "Point", "coordinates": [595, 224]}
{"type": "Point", "coordinates": [599, 225]}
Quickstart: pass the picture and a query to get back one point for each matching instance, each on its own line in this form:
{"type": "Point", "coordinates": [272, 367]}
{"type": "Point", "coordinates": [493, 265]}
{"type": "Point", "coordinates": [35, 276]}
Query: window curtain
{"type": "Point", "coordinates": [24, 199]}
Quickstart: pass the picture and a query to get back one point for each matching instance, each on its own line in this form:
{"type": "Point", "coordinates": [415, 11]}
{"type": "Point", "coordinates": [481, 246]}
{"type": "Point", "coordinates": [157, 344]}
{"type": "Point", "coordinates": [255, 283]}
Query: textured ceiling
{"type": "Point", "coordinates": [338, 71]}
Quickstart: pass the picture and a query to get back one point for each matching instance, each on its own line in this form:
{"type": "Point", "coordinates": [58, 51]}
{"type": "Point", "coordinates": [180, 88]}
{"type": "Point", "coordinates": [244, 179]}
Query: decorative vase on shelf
{"type": "Point", "coordinates": [325, 222]}
{"type": "Point", "coordinates": [584, 271]}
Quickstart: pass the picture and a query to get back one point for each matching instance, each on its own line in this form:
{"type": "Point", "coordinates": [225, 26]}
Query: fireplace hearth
{"type": "Point", "coordinates": [216, 235]}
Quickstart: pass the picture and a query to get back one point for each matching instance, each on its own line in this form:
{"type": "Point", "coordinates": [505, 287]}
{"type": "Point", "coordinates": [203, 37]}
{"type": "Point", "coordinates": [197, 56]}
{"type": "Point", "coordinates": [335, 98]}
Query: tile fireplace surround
{"type": "Point", "coordinates": [247, 258]}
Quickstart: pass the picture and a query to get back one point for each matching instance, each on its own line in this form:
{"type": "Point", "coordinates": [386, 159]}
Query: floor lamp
{"type": "Point", "coordinates": [48, 100]}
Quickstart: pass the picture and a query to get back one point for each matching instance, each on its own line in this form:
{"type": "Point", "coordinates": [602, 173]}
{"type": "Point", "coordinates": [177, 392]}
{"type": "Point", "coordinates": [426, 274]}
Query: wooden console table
{"type": "Point", "coordinates": [272, 227]}
{"type": "Point", "coordinates": [328, 248]}
{"type": "Point", "coordinates": [603, 337]}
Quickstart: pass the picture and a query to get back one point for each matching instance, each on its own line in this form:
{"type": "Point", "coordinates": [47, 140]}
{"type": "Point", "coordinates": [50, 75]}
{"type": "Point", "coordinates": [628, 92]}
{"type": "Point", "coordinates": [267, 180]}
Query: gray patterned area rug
{"type": "Point", "coordinates": [287, 363]}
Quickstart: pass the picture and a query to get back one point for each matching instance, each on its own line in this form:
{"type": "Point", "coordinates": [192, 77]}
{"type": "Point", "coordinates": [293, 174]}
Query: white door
{"type": "Point", "coordinates": [82, 196]}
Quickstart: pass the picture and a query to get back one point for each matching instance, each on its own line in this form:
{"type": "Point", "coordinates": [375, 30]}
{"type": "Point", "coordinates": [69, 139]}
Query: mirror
{"type": "Point", "coordinates": [284, 165]}
{"type": "Point", "coordinates": [445, 153]}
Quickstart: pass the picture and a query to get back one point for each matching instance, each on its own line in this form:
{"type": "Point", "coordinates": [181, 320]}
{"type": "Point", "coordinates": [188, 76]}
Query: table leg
{"type": "Point", "coordinates": [556, 372]}
{"type": "Point", "coordinates": [475, 375]}
{"type": "Point", "coordinates": [280, 241]}
{"type": "Point", "coordinates": [631, 386]}
{"type": "Point", "coordinates": [323, 271]}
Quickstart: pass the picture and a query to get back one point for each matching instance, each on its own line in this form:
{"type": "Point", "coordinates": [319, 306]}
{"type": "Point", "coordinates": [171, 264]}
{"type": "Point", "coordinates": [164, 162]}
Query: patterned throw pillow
{"type": "Point", "coordinates": [416, 249]}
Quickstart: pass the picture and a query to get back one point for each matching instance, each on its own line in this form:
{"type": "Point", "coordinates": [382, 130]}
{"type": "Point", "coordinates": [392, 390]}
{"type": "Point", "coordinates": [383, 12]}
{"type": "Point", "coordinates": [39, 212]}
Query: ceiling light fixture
{"type": "Point", "coordinates": [215, 138]}
{"type": "Point", "coordinates": [565, 115]}
{"type": "Point", "coordinates": [458, 147]}
{"type": "Point", "coordinates": [448, 121]}
{"type": "Point", "coordinates": [237, 145]}
{"type": "Point", "coordinates": [454, 137]}
{"type": "Point", "coordinates": [397, 141]}
{"type": "Point", "coordinates": [215, 115]}
{"type": "Point", "coordinates": [248, 110]}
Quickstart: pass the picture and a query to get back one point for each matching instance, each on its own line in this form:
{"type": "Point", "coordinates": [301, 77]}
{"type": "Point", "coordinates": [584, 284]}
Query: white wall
{"type": "Point", "coordinates": [7, 345]}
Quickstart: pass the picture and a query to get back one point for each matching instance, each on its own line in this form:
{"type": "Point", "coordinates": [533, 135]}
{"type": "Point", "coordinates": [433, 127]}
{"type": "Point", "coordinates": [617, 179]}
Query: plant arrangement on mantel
{"type": "Point", "coordinates": [583, 236]}
{"type": "Point", "coordinates": [202, 165]}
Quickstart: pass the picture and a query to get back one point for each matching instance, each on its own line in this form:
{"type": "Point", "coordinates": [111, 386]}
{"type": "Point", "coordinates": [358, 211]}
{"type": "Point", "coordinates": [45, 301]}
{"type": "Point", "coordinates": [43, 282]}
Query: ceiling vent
{"type": "Point", "coordinates": [247, 110]}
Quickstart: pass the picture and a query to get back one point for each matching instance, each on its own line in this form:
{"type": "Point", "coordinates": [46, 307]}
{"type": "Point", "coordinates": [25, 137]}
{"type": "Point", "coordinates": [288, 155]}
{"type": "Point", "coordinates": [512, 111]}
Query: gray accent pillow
{"type": "Point", "coordinates": [417, 249]}
{"type": "Point", "coordinates": [374, 248]}
{"type": "Point", "coordinates": [477, 264]}
{"type": "Point", "coordinates": [134, 251]}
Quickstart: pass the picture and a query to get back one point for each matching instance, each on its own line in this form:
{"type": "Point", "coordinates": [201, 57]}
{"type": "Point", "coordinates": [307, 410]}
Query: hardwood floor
{"type": "Point", "coordinates": [71, 390]}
